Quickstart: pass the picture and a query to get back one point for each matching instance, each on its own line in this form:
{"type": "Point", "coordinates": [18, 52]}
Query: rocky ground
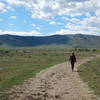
{"type": "Point", "coordinates": [55, 83]}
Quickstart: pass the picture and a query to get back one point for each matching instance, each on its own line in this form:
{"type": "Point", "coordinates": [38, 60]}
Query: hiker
{"type": "Point", "coordinates": [72, 60]}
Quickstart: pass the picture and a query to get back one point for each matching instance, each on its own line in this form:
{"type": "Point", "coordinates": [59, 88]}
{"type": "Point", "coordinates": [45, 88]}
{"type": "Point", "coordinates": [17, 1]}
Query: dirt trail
{"type": "Point", "coordinates": [55, 83]}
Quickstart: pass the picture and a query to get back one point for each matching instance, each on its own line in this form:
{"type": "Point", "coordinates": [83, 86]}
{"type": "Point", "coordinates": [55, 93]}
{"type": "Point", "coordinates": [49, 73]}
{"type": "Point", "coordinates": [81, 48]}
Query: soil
{"type": "Point", "coordinates": [55, 83]}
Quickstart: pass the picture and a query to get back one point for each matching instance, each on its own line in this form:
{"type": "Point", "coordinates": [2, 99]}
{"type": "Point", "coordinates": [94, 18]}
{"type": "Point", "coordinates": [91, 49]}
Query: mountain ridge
{"type": "Point", "coordinates": [73, 41]}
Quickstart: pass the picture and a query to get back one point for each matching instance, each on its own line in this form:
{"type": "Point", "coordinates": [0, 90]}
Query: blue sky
{"type": "Point", "coordinates": [49, 17]}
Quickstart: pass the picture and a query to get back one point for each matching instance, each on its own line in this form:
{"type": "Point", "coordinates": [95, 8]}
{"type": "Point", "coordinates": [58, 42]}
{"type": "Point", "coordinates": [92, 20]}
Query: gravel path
{"type": "Point", "coordinates": [55, 83]}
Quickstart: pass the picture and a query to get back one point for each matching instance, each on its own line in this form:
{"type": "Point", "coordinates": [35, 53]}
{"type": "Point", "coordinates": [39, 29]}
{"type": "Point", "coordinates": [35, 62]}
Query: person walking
{"type": "Point", "coordinates": [72, 60]}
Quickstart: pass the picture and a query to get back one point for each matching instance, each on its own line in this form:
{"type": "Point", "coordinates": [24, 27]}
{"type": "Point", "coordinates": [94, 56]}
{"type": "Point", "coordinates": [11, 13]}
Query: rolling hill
{"type": "Point", "coordinates": [72, 41]}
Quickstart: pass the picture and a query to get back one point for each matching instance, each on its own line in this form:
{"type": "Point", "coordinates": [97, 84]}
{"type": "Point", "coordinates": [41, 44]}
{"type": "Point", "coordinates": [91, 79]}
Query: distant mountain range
{"type": "Point", "coordinates": [72, 41]}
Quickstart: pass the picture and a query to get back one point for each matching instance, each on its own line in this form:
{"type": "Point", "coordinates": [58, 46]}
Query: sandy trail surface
{"type": "Point", "coordinates": [55, 83]}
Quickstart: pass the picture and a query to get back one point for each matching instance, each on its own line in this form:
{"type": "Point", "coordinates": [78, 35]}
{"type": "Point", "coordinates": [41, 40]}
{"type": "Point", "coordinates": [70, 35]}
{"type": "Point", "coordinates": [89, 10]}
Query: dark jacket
{"type": "Point", "coordinates": [72, 58]}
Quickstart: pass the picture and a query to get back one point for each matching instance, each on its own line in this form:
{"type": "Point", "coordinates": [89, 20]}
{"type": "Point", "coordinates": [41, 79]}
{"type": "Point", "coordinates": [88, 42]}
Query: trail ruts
{"type": "Point", "coordinates": [55, 83]}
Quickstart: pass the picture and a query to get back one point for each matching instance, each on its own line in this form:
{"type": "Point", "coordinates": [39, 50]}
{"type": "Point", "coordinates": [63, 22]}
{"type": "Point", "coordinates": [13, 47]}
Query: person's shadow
{"type": "Point", "coordinates": [78, 71]}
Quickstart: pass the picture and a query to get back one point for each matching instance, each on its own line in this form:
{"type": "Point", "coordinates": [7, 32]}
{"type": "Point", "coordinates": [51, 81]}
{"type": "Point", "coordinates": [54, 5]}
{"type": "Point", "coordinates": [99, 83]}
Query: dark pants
{"type": "Point", "coordinates": [72, 65]}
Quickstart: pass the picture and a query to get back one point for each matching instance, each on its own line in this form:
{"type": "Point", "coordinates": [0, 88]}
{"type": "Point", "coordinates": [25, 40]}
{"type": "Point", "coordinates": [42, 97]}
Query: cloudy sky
{"type": "Point", "coordinates": [49, 17]}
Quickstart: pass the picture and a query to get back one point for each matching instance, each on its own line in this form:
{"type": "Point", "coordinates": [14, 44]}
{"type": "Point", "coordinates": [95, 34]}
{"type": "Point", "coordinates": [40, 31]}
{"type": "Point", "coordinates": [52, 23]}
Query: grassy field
{"type": "Point", "coordinates": [17, 65]}
{"type": "Point", "coordinates": [91, 74]}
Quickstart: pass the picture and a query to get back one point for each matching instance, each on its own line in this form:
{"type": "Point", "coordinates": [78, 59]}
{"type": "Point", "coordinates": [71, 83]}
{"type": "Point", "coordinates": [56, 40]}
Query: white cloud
{"type": "Point", "coordinates": [92, 21]}
{"type": "Point", "coordinates": [1, 20]}
{"type": "Point", "coordinates": [31, 33]}
{"type": "Point", "coordinates": [76, 21]}
{"type": "Point", "coordinates": [89, 24]}
{"type": "Point", "coordinates": [13, 17]}
{"type": "Point", "coordinates": [84, 27]}
{"type": "Point", "coordinates": [38, 28]}
{"type": "Point", "coordinates": [98, 12]}
{"type": "Point", "coordinates": [66, 32]}
{"type": "Point", "coordinates": [2, 7]}
{"type": "Point", "coordinates": [55, 23]}
{"type": "Point", "coordinates": [25, 21]}
{"type": "Point", "coordinates": [11, 24]}
{"type": "Point", "coordinates": [73, 27]}
{"type": "Point", "coordinates": [34, 25]}
{"type": "Point", "coordinates": [65, 18]}
{"type": "Point", "coordinates": [47, 9]}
